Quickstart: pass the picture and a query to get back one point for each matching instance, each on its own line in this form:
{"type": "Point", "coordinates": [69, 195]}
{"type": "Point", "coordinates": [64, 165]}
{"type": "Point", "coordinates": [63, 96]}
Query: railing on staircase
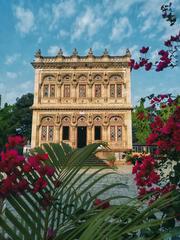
{"type": "Point", "coordinates": [144, 148]}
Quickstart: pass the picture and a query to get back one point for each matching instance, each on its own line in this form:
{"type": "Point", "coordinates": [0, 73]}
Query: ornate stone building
{"type": "Point", "coordinates": [82, 99]}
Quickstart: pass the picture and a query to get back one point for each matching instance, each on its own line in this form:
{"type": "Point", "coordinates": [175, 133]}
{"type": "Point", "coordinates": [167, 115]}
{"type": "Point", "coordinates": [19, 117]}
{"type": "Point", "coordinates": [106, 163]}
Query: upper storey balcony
{"type": "Point", "coordinates": [81, 80]}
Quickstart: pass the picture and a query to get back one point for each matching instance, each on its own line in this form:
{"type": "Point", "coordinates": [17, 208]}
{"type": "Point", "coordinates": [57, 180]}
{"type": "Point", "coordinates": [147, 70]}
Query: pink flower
{"type": "Point", "coordinates": [136, 66]}
{"type": "Point", "coordinates": [49, 170]}
{"type": "Point", "coordinates": [16, 140]}
{"type": "Point", "coordinates": [144, 49]}
{"type": "Point", "coordinates": [101, 204]}
{"type": "Point", "coordinates": [168, 43]}
{"type": "Point", "coordinates": [148, 66]}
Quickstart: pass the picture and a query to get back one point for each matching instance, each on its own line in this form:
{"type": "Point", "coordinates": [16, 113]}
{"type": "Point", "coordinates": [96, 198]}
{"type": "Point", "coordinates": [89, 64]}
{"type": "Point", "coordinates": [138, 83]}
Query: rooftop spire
{"type": "Point", "coordinates": [105, 53]}
{"type": "Point", "coordinates": [90, 52]}
{"type": "Point", "coordinates": [60, 53]}
{"type": "Point", "coordinates": [128, 53]}
{"type": "Point", "coordinates": [38, 53]}
{"type": "Point", "coordinates": [75, 52]}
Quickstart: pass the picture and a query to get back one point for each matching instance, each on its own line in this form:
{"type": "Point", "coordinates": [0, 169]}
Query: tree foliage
{"type": "Point", "coordinates": [16, 118]}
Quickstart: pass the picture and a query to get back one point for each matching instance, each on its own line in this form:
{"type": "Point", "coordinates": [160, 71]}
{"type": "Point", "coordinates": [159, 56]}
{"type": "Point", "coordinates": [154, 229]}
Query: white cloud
{"type": "Point", "coordinates": [10, 94]}
{"type": "Point", "coordinates": [9, 59]}
{"type": "Point", "coordinates": [62, 10]}
{"type": "Point", "coordinates": [87, 24]}
{"type": "Point", "coordinates": [134, 50]}
{"type": "Point", "coordinates": [26, 86]}
{"type": "Point", "coordinates": [151, 16]}
{"type": "Point", "coordinates": [154, 55]}
{"type": "Point", "coordinates": [121, 29]}
{"type": "Point", "coordinates": [25, 18]}
{"type": "Point", "coordinates": [11, 75]}
{"type": "Point", "coordinates": [118, 6]}
{"type": "Point", "coordinates": [53, 50]}
{"type": "Point", "coordinates": [39, 40]}
{"type": "Point", "coordinates": [100, 46]}
{"type": "Point", "coordinates": [63, 34]}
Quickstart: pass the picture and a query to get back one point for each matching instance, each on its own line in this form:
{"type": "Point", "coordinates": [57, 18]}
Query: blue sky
{"type": "Point", "coordinates": [27, 25]}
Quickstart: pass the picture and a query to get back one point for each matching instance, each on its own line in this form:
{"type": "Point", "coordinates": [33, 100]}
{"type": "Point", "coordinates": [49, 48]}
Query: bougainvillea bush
{"type": "Point", "coordinates": [47, 196]}
{"type": "Point", "coordinates": [159, 172]}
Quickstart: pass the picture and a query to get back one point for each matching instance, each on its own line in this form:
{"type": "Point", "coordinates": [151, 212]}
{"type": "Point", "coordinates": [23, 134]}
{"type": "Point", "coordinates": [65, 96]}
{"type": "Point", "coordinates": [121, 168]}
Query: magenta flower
{"type": "Point", "coordinates": [144, 50]}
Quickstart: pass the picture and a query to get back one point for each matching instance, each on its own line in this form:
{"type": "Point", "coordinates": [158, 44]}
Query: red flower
{"type": "Point", "coordinates": [49, 170]}
{"type": "Point", "coordinates": [148, 66]}
{"type": "Point", "coordinates": [136, 66]}
{"type": "Point", "coordinates": [39, 185]}
{"type": "Point", "coordinates": [144, 49]}
{"type": "Point", "coordinates": [168, 43]}
{"type": "Point", "coordinates": [16, 140]}
{"type": "Point", "coordinates": [42, 157]}
{"type": "Point", "coordinates": [33, 162]}
{"type": "Point", "coordinates": [27, 168]}
{"type": "Point", "coordinates": [131, 63]}
{"type": "Point", "coordinates": [100, 204]}
{"type": "Point", "coordinates": [143, 62]}
{"type": "Point", "coordinates": [23, 185]}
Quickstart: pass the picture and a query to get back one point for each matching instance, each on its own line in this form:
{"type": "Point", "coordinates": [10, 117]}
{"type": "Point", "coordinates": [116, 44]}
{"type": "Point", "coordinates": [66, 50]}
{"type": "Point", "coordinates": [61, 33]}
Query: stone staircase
{"type": "Point", "coordinates": [95, 161]}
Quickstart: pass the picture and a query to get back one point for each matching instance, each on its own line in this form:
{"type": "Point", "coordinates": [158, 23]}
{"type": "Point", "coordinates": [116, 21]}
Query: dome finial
{"type": "Point", "coordinates": [128, 53]}
{"type": "Point", "coordinates": [38, 53]}
{"type": "Point", "coordinates": [105, 53]}
{"type": "Point", "coordinates": [60, 53]}
{"type": "Point", "coordinates": [75, 52]}
{"type": "Point", "coordinates": [90, 52]}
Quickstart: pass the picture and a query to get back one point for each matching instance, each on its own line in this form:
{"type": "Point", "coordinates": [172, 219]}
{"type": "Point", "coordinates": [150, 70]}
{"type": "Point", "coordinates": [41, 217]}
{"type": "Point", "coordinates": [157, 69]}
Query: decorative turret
{"type": "Point", "coordinates": [105, 53]}
{"type": "Point", "coordinates": [75, 52]}
{"type": "Point", "coordinates": [128, 53]}
{"type": "Point", "coordinates": [38, 53]}
{"type": "Point", "coordinates": [60, 53]}
{"type": "Point", "coordinates": [90, 52]}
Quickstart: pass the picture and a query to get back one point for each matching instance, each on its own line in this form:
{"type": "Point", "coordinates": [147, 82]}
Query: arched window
{"type": "Point", "coordinates": [82, 90]}
{"type": "Point", "coordinates": [115, 129]}
{"type": "Point", "coordinates": [49, 86]}
{"type": "Point", "coordinates": [97, 90]}
{"type": "Point", "coordinates": [47, 129]}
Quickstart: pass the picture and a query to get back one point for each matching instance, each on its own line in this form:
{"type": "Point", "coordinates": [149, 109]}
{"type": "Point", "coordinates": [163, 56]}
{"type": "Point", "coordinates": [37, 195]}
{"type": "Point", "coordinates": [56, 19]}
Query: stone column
{"type": "Point", "coordinates": [60, 133]}
{"type": "Point", "coordinates": [34, 132]}
{"type": "Point", "coordinates": [105, 133]}
{"type": "Point", "coordinates": [89, 134]}
{"type": "Point", "coordinates": [59, 92]}
{"type": "Point", "coordinates": [105, 93]}
{"type": "Point", "coordinates": [129, 129]}
{"type": "Point", "coordinates": [36, 86]}
{"type": "Point", "coordinates": [74, 92]}
{"type": "Point", "coordinates": [73, 136]}
{"type": "Point", "coordinates": [57, 140]}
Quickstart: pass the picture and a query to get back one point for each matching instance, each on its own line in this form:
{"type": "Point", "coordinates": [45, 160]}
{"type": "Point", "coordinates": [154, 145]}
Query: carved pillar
{"type": "Point", "coordinates": [59, 86]}
{"type": "Point", "coordinates": [34, 132]}
{"type": "Point", "coordinates": [73, 93]}
{"type": "Point", "coordinates": [60, 133]}
{"type": "Point", "coordinates": [105, 92]}
{"type": "Point", "coordinates": [73, 136]}
{"type": "Point", "coordinates": [38, 137]}
{"type": "Point", "coordinates": [124, 136]}
{"type": "Point", "coordinates": [74, 86]}
{"type": "Point", "coordinates": [89, 134]}
{"type": "Point", "coordinates": [105, 133]}
{"type": "Point", "coordinates": [57, 137]}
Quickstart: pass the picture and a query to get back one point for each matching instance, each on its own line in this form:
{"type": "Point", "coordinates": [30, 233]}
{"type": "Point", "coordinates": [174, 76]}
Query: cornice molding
{"type": "Point", "coordinates": [75, 65]}
{"type": "Point", "coordinates": [81, 108]}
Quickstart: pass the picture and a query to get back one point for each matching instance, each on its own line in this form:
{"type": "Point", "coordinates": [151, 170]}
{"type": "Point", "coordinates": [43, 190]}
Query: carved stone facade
{"type": "Point", "coordinates": [82, 99]}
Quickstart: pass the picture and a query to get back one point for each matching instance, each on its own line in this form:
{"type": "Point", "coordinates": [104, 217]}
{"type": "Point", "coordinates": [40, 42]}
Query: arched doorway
{"type": "Point", "coordinates": [81, 132]}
